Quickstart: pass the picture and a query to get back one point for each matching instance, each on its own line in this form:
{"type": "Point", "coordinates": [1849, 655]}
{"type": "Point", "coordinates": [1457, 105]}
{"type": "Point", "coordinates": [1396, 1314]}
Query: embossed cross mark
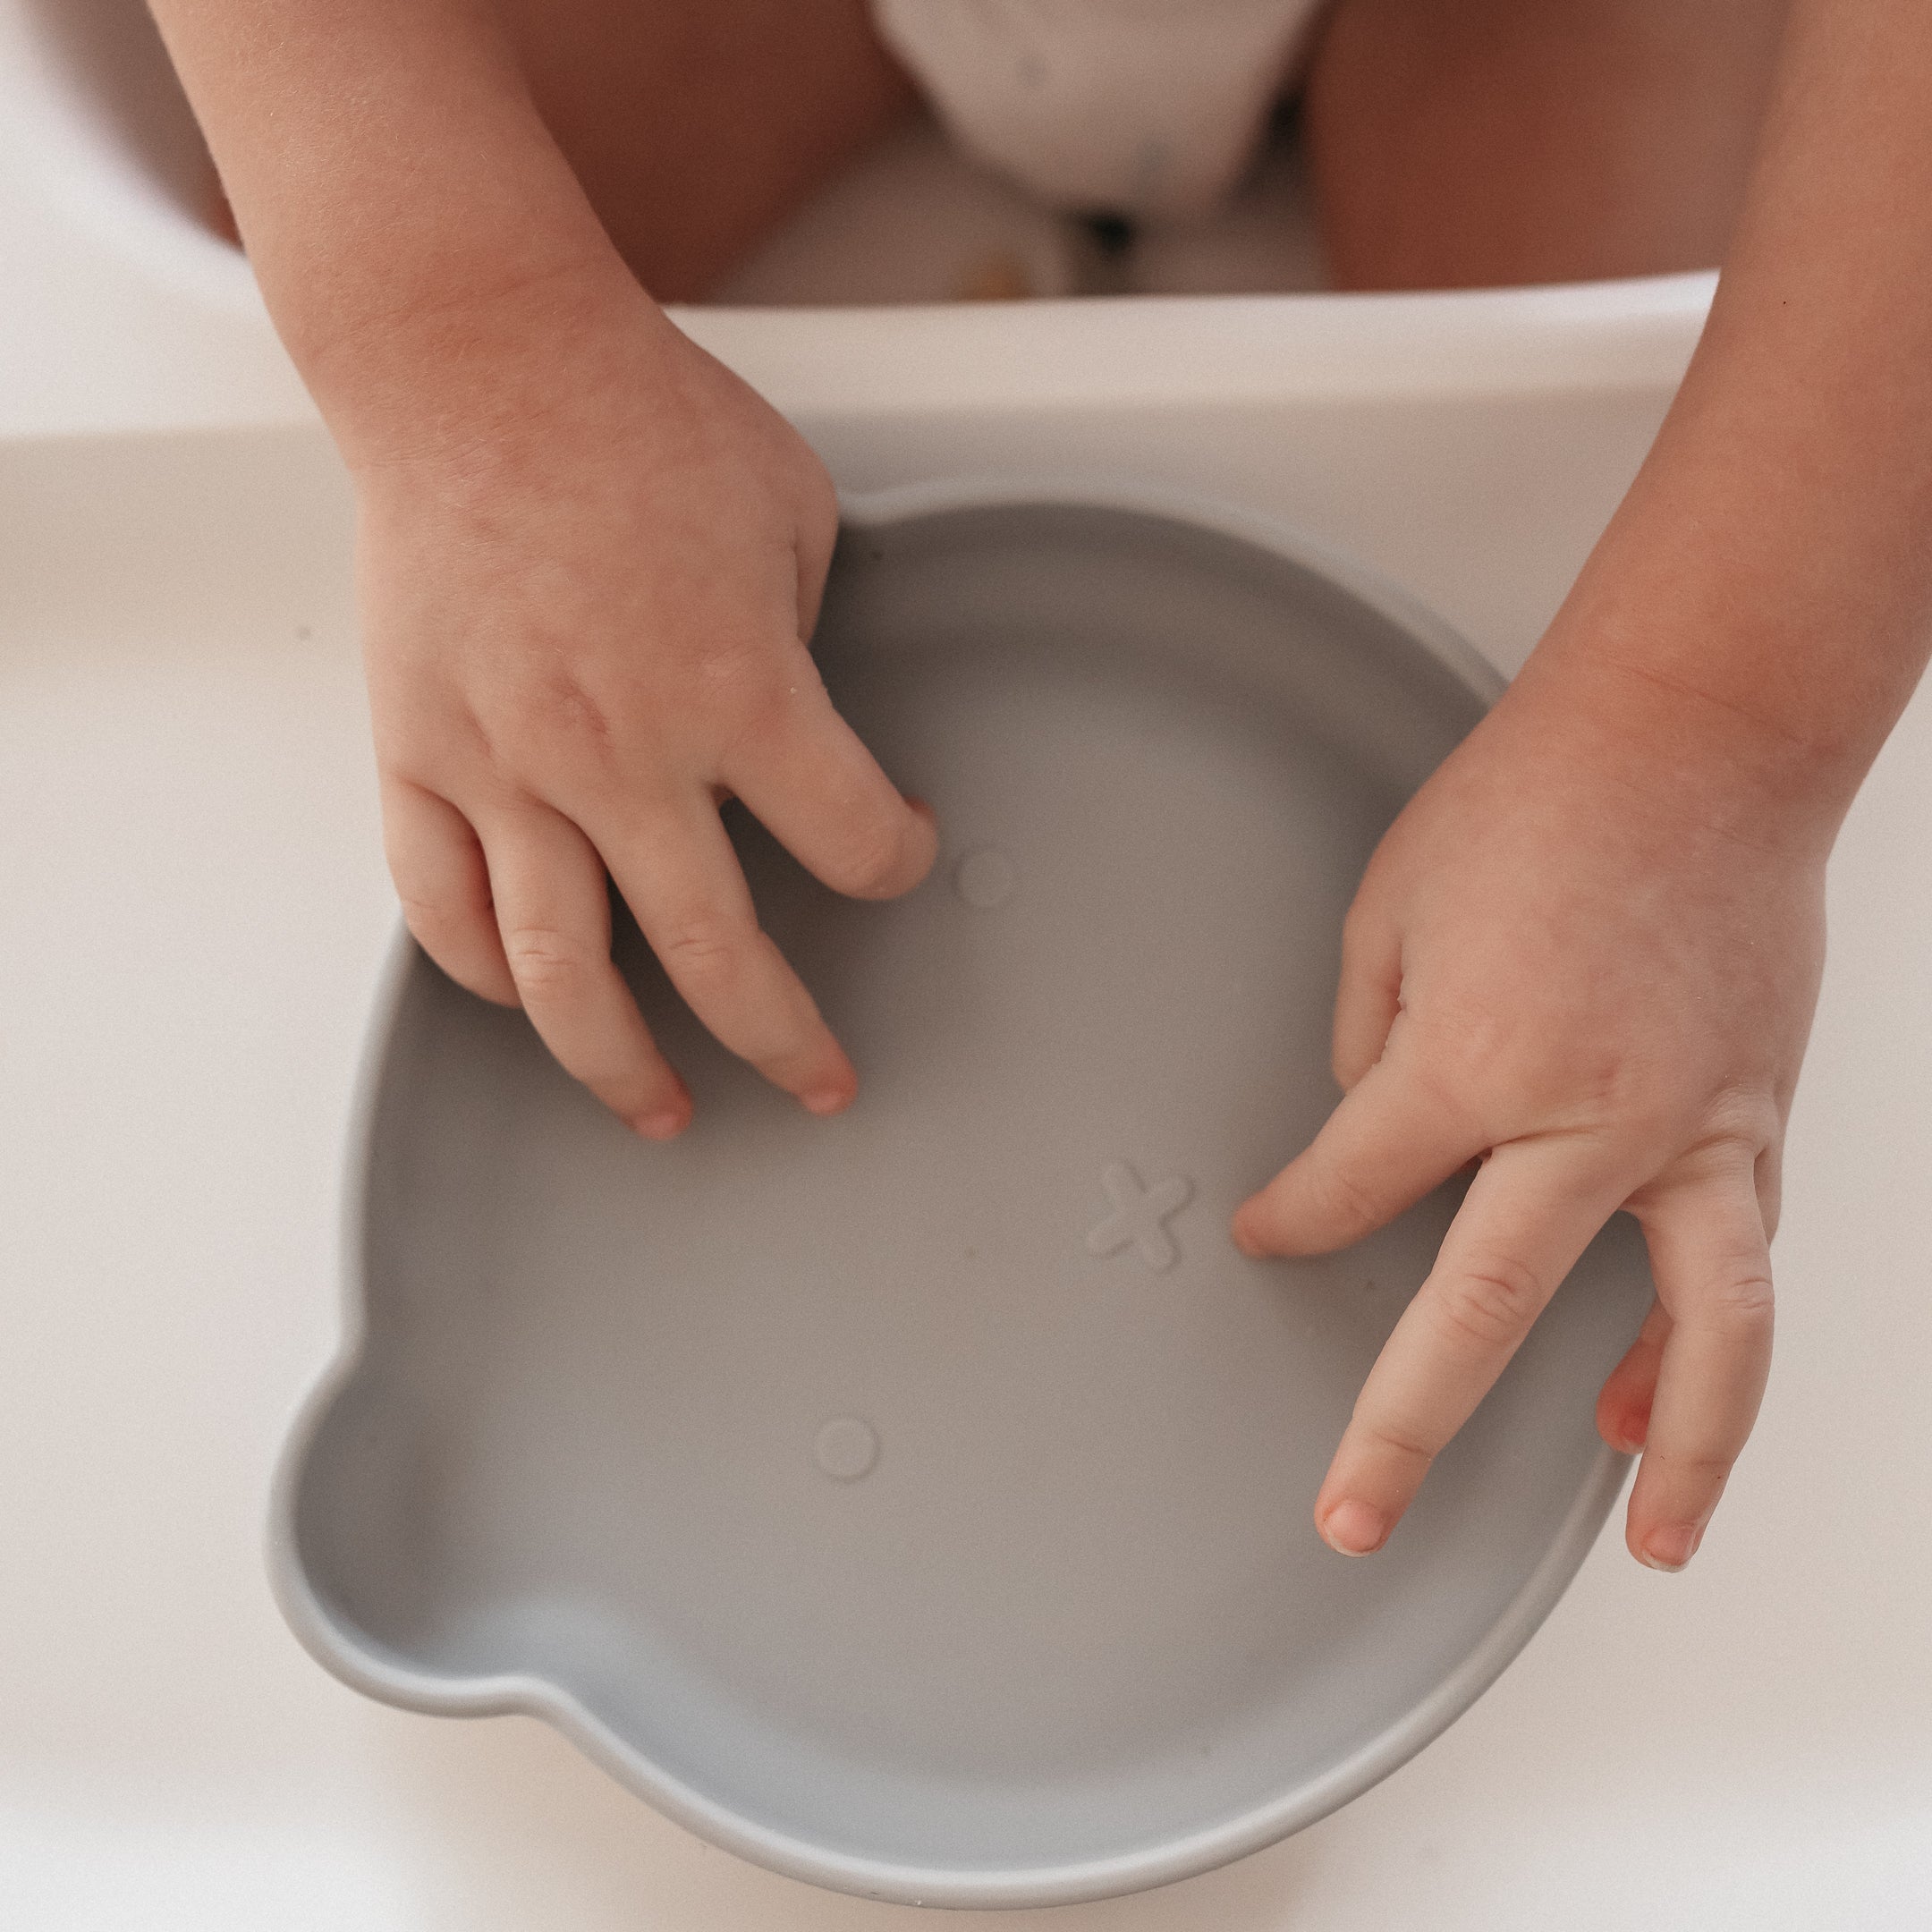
{"type": "Point", "coordinates": [1139, 1215]}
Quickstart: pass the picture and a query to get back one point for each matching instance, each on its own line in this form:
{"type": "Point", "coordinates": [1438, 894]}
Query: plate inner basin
{"type": "Point", "coordinates": [932, 1485]}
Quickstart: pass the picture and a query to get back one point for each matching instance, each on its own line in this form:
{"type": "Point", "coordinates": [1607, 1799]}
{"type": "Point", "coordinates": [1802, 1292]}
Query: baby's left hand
{"type": "Point", "coordinates": [1589, 959]}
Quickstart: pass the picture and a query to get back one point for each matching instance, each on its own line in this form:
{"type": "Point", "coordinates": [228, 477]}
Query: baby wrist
{"type": "Point", "coordinates": [1673, 746]}
{"type": "Point", "coordinates": [475, 363]}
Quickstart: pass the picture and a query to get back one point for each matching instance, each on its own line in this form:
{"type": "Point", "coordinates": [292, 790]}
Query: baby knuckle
{"type": "Point", "coordinates": [1691, 1468]}
{"type": "Point", "coordinates": [702, 951]}
{"type": "Point", "coordinates": [736, 672]}
{"type": "Point", "coordinates": [1344, 1206]}
{"type": "Point", "coordinates": [1604, 1081]}
{"type": "Point", "coordinates": [1467, 1040]}
{"type": "Point", "coordinates": [1741, 1304]}
{"type": "Point", "coordinates": [547, 965]}
{"type": "Point", "coordinates": [1492, 1300]}
{"type": "Point", "coordinates": [439, 922]}
{"type": "Point", "coordinates": [1745, 1113]}
{"type": "Point", "coordinates": [754, 709]}
{"type": "Point", "coordinates": [1459, 1096]}
{"type": "Point", "coordinates": [564, 716]}
{"type": "Point", "coordinates": [1729, 1146]}
{"type": "Point", "coordinates": [1392, 1440]}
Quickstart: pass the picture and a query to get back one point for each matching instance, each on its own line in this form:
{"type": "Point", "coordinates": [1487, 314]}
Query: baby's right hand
{"type": "Point", "coordinates": [586, 622]}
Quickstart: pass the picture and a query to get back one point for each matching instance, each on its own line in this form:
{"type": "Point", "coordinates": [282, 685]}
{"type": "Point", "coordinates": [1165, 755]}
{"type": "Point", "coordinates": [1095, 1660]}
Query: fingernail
{"type": "Point", "coordinates": [1354, 1529]}
{"type": "Point", "coordinates": [825, 1100]}
{"type": "Point", "coordinates": [1672, 1546]}
{"type": "Point", "coordinates": [664, 1126]}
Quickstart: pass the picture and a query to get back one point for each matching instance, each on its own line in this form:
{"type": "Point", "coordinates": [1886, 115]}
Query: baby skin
{"type": "Point", "coordinates": [1586, 953]}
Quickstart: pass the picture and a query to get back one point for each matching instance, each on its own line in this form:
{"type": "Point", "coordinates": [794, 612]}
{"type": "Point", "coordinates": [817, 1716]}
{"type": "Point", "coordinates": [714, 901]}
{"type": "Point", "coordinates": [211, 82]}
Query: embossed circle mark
{"type": "Point", "coordinates": [846, 1448]}
{"type": "Point", "coordinates": [985, 879]}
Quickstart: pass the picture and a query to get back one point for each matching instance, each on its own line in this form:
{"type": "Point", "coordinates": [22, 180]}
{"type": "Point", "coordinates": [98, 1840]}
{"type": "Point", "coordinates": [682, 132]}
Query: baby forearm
{"type": "Point", "coordinates": [406, 212]}
{"type": "Point", "coordinates": [1766, 590]}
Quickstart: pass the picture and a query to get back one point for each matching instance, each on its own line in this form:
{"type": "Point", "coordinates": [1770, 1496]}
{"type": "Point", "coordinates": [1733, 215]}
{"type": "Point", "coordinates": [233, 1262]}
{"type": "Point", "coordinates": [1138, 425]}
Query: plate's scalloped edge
{"type": "Point", "coordinates": [372, 1669]}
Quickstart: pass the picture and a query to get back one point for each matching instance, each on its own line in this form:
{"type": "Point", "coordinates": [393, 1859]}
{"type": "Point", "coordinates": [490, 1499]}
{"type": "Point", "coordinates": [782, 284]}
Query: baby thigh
{"type": "Point", "coordinates": [696, 126]}
{"type": "Point", "coordinates": [1460, 143]}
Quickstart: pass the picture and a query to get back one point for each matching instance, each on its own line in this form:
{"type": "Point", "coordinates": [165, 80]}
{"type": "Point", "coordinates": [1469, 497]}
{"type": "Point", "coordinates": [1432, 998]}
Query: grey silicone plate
{"type": "Point", "coordinates": [919, 1502]}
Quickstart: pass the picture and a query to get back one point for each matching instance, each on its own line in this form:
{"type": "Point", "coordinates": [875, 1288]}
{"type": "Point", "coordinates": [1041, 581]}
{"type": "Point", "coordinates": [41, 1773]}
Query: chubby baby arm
{"type": "Point", "coordinates": [1586, 953]}
{"type": "Point", "coordinates": [589, 557]}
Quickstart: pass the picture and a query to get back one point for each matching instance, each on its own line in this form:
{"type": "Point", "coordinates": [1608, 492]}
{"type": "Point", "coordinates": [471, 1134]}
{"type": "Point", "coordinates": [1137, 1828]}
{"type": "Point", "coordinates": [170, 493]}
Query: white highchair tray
{"type": "Point", "coordinates": [919, 1502]}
